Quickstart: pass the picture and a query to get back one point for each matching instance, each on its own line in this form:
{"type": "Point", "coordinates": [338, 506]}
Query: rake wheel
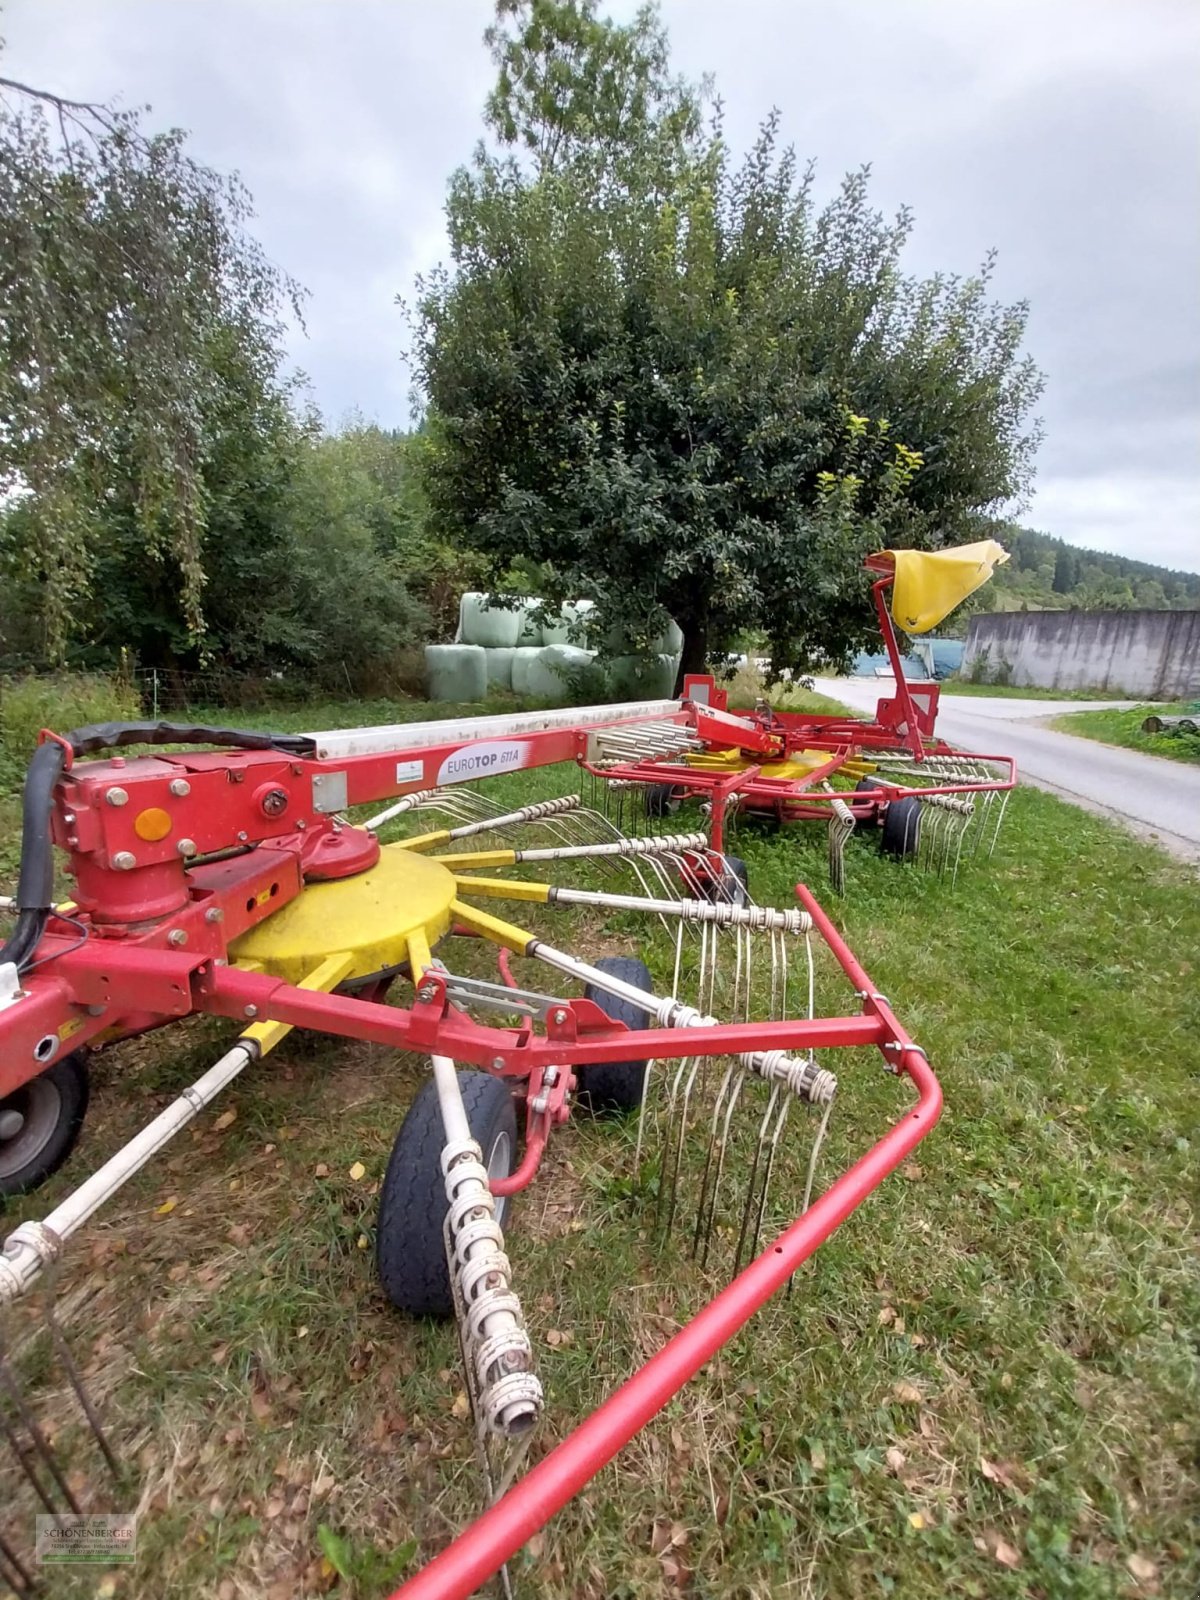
{"type": "Point", "coordinates": [616, 1087]}
{"type": "Point", "coordinates": [40, 1123]}
{"type": "Point", "coordinates": [868, 786]}
{"type": "Point", "coordinates": [901, 829]}
{"type": "Point", "coordinates": [410, 1251]}
{"type": "Point", "coordinates": [733, 887]}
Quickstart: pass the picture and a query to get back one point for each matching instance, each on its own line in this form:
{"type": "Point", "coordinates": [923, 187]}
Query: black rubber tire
{"type": "Point", "coordinates": [53, 1106]}
{"type": "Point", "coordinates": [615, 1087]}
{"type": "Point", "coordinates": [868, 786]}
{"type": "Point", "coordinates": [735, 889]}
{"type": "Point", "coordinates": [901, 829]}
{"type": "Point", "coordinates": [663, 799]}
{"type": "Point", "coordinates": [410, 1253]}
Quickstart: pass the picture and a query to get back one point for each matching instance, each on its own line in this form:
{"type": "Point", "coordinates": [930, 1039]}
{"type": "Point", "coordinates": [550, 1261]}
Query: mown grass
{"type": "Point", "coordinates": [984, 1385]}
{"type": "Point", "coordinates": [1125, 728]}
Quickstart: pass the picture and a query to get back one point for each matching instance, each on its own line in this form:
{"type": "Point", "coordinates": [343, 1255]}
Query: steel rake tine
{"type": "Point", "coordinates": [741, 969]}
{"type": "Point", "coordinates": [968, 824]}
{"type": "Point", "coordinates": [815, 1154]}
{"type": "Point", "coordinates": [18, 1577]}
{"type": "Point", "coordinates": [681, 1116]}
{"type": "Point", "coordinates": [75, 1378]}
{"type": "Point", "coordinates": [718, 1142]}
{"type": "Point", "coordinates": [999, 820]}
{"type": "Point", "coordinates": [774, 1116]}
{"type": "Point", "coordinates": [934, 826]}
{"type": "Point", "coordinates": [20, 1455]}
{"type": "Point", "coordinates": [926, 835]}
{"type": "Point", "coordinates": [753, 1182]}
{"type": "Point", "coordinates": [982, 816]}
{"type": "Point", "coordinates": [10, 1384]}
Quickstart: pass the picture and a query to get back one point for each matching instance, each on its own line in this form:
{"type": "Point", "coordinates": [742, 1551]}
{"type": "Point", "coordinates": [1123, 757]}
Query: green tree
{"type": "Point", "coordinates": [125, 270]}
{"type": "Point", "coordinates": [1066, 569]}
{"type": "Point", "coordinates": [569, 81]}
{"type": "Point", "coordinates": [684, 386]}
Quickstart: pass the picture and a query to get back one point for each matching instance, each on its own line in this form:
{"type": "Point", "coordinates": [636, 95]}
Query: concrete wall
{"type": "Point", "coordinates": [1152, 655]}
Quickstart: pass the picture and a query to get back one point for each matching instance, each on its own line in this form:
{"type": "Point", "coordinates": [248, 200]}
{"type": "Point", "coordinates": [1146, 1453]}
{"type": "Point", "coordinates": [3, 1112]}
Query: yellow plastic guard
{"type": "Point", "coordinates": [930, 583]}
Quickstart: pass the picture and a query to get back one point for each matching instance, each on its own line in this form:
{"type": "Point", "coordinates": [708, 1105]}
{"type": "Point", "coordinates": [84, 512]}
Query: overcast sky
{"type": "Point", "coordinates": [1064, 132]}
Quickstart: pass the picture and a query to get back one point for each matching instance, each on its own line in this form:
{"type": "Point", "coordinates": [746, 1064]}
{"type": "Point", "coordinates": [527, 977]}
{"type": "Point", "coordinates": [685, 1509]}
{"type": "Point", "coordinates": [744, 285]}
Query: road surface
{"type": "Point", "coordinates": [1156, 798]}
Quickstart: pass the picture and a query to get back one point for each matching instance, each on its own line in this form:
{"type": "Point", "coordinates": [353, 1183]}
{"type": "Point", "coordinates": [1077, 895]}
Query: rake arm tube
{"type": "Point", "coordinates": [497, 1535]}
{"type": "Point", "coordinates": [505, 1051]}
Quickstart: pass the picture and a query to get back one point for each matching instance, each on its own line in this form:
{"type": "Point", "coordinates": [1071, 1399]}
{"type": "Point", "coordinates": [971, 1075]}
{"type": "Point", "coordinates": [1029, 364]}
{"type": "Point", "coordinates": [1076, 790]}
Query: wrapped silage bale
{"type": "Point", "coordinates": [529, 628]}
{"type": "Point", "coordinates": [499, 667]}
{"type": "Point", "coordinates": [669, 641]}
{"type": "Point", "coordinates": [552, 676]}
{"type": "Point", "coordinates": [456, 672]}
{"type": "Point", "coordinates": [494, 627]}
{"type": "Point", "coordinates": [523, 658]}
{"type": "Point", "coordinates": [571, 624]}
{"type": "Point", "coordinates": [643, 677]}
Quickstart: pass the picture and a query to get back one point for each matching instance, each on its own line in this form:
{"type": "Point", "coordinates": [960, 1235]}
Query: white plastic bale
{"type": "Point", "coordinates": [529, 628]}
{"type": "Point", "coordinates": [571, 626]}
{"type": "Point", "coordinates": [499, 667]}
{"type": "Point", "coordinates": [493, 627]}
{"type": "Point", "coordinates": [669, 641]}
{"type": "Point", "coordinates": [554, 672]}
{"type": "Point", "coordinates": [456, 673]}
{"type": "Point", "coordinates": [523, 658]}
{"type": "Point", "coordinates": [643, 677]}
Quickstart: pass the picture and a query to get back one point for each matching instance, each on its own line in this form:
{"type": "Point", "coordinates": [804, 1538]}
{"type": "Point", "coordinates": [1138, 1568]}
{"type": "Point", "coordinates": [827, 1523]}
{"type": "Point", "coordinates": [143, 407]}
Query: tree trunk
{"type": "Point", "coordinates": [694, 657]}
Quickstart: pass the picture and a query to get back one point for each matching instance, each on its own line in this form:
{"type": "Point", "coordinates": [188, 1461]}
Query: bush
{"type": "Point", "coordinates": [61, 701]}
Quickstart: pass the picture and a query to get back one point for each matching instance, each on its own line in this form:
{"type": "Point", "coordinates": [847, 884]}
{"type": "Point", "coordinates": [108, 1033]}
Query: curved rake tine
{"type": "Point", "coordinates": [9, 1383]}
{"type": "Point", "coordinates": [774, 1116]}
{"type": "Point", "coordinates": [17, 1577]}
{"type": "Point", "coordinates": [982, 816]}
{"type": "Point", "coordinates": [999, 820]}
{"type": "Point", "coordinates": [20, 1454]}
{"type": "Point", "coordinates": [722, 1116]}
{"type": "Point", "coordinates": [63, 1351]}
{"type": "Point", "coordinates": [681, 1111]}
{"type": "Point", "coordinates": [841, 826]}
{"type": "Point", "coordinates": [962, 835]}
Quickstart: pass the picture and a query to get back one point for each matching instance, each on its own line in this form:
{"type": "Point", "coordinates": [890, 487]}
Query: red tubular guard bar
{"type": "Point", "coordinates": [500, 1532]}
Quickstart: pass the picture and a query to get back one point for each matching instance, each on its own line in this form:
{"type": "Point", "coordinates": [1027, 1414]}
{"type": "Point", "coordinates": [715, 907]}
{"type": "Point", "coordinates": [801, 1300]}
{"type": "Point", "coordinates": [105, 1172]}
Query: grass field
{"type": "Point", "coordinates": [1125, 728]}
{"type": "Point", "coordinates": [985, 1385]}
{"type": "Point", "coordinates": [1022, 692]}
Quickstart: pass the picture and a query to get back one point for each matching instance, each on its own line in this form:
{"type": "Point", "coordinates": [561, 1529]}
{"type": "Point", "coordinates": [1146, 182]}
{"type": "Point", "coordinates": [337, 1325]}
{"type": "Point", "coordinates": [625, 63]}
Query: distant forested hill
{"type": "Point", "coordinates": [1045, 574]}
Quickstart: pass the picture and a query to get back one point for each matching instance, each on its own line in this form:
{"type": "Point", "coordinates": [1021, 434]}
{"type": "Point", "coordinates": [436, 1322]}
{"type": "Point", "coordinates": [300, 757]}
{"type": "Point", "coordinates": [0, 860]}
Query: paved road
{"type": "Point", "coordinates": [1154, 797]}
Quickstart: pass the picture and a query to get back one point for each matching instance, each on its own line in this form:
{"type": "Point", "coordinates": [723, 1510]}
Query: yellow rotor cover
{"type": "Point", "coordinates": [371, 916]}
{"type": "Point", "coordinates": [930, 583]}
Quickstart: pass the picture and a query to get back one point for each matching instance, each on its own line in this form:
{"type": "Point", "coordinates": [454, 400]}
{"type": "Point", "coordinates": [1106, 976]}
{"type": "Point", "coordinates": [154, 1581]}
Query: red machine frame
{"type": "Point", "coordinates": [174, 856]}
{"type": "Point", "coordinates": [905, 722]}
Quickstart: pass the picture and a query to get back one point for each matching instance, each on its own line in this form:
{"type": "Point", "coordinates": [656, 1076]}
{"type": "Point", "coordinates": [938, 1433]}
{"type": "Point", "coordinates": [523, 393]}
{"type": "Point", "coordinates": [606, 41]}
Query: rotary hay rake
{"type": "Point", "coordinates": [230, 882]}
{"type": "Point", "coordinates": [933, 804]}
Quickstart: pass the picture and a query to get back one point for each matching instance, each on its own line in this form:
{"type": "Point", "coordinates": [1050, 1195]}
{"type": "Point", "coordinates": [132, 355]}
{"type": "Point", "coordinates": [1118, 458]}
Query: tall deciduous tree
{"type": "Point", "coordinates": [679, 381]}
{"type": "Point", "coordinates": [125, 271]}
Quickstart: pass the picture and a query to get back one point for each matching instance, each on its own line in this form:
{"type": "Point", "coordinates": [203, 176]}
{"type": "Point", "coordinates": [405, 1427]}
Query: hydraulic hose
{"type": "Point", "coordinates": [35, 887]}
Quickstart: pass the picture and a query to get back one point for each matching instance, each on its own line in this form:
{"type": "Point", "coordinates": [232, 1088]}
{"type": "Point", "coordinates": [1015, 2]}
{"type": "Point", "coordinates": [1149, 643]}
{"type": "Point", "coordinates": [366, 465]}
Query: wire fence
{"type": "Point", "coordinates": [162, 690]}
